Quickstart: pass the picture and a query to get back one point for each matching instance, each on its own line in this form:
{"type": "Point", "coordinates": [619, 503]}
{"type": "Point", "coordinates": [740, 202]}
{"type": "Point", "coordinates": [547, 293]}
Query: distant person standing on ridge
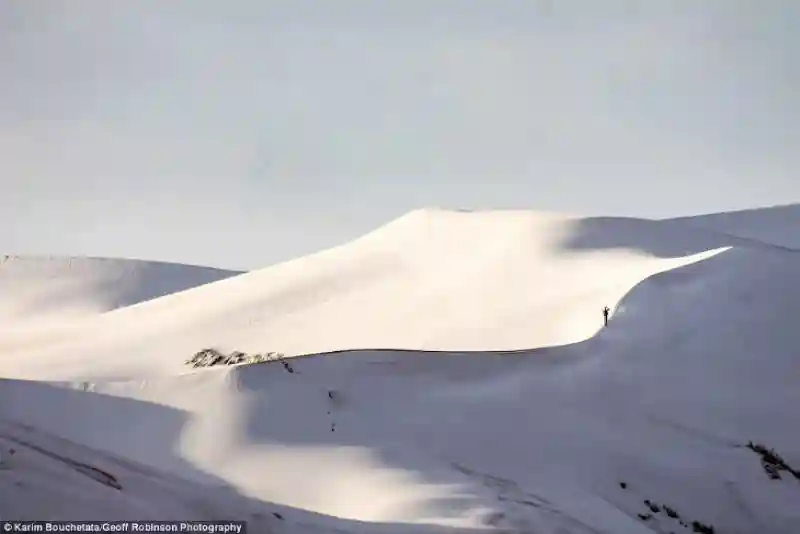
{"type": "Point", "coordinates": [605, 315]}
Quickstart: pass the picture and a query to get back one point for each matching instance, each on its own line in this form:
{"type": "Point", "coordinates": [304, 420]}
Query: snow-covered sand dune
{"type": "Point", "coordinates": [40, 289]}
{"type": "Point", "coordinates": [776, 226]}
{"type": "Point", "coordinates": [700, 357]}
{"type": "Point", "coordinates": [50, 478]}
{"type": "Point", "coordinates": [433, 280]}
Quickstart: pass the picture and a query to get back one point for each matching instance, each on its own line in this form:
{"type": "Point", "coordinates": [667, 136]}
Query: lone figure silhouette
{"type": "Point", "coordinates": [605, 315]}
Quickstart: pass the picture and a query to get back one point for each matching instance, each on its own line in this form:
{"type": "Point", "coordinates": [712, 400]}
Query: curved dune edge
{"type": "Point", "coordinates": [699, 359]}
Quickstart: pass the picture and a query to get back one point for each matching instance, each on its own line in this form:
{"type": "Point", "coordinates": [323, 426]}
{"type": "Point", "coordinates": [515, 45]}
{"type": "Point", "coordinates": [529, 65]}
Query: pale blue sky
{"type": "Point", "coordinates": [242, 133]}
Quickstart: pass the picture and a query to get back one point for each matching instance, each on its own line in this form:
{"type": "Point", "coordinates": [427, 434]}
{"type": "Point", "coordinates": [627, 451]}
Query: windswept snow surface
{"type": "Point", "coordinates": [35, 289]}
{"type": "Point", "coordinates": [472, 385]}
{"type": "Point", "coordinates": [431, 280]}
{"type": "Point", "coordinates": [776, 226]}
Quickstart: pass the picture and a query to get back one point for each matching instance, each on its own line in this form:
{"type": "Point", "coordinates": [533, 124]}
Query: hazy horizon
{"type": "Point", "coordinates": [241, 134]}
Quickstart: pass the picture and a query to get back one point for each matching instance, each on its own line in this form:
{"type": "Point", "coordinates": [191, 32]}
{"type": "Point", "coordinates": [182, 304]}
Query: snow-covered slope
{"type": "Point", "coordinates": [777, 225]}
{"type": "Point", "coordinates": [56, 292]}
{"type": "Point", "coordinates": [570, 435]}
{"type": "Point", "coordinates": [55, 479]}
{"type": "Point", "coordinates": [434, 280]}
{"type": "Point", "coordinates": [48, 478]}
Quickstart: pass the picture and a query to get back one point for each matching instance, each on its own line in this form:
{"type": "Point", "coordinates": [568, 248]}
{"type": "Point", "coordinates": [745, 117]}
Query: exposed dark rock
{"type": "Point", "coordinates": [771, 461]}
{"type": "Point", "coordinates": [212, 357]}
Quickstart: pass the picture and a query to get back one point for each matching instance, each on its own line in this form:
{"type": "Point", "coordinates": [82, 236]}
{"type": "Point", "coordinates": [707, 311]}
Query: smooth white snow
{"type": "Point", "coordinates": [775, 226]}
{"type": "Point", "coordinates": [54, 293]}
{"type": "Point", "coordinates": [527, 419]}
{"type": "Point", "coordinates": [433, 280]}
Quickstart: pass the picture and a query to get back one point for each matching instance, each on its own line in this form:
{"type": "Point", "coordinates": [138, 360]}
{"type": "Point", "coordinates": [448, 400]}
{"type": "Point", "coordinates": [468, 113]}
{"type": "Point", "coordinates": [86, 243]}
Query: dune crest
{"type": "Point", "coordinates": [458, 379]}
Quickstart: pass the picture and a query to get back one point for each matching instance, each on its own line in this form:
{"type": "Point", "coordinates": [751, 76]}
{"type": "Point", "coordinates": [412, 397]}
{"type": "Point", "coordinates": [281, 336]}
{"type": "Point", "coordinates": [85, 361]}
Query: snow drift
{"type": "Point", "coordinates": [472, 387]}
{"type": "Point", "coordinates": [431, 280]}
{"type": "Point", "coordinates": [36, 288]}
